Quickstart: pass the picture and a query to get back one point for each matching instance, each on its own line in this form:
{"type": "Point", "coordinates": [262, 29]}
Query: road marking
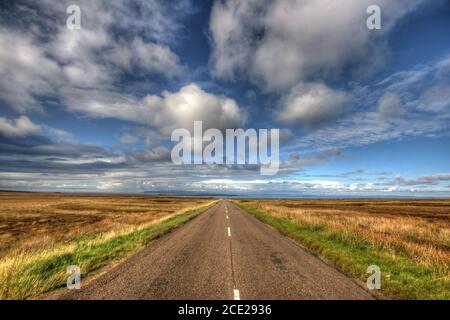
{"type": "Point", "coordinates": [229, 232]}
{"type": "Point", "coordinates": [236, 294]}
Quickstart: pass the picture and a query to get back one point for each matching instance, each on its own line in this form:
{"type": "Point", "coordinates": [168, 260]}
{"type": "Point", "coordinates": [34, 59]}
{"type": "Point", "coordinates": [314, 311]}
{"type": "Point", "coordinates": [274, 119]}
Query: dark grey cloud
{"type": "Point", "coordinates": [46, 166]}
{"type": "Point", "coordinates": [156, 154]}
{"type": "Point", "coordinates": [298, 161]}
{"type": "Point", "coordinates": [35, 145]}
{"type": "Point", "coordinates": [40, 154]}
{"type": "Point", "coordinates": [424, 180]}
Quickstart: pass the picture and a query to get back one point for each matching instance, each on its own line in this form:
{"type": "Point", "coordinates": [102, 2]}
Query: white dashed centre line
{"type": "Point", "coordinates": [236, 295]}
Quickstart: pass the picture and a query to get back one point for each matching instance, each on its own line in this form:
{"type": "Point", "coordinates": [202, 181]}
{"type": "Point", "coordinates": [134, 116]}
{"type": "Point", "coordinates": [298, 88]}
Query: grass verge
{"type": "Point", "coordinates": [30, 274]}
{"type": "Point", "coordinates": [402, 278]}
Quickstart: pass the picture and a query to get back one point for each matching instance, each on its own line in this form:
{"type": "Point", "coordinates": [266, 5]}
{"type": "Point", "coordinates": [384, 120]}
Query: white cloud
{"type": "Point", "coordinates": [109, 185]}
{"type": "Point", "coordinates": [414, 102]}
{"type": "Point", "coordinates": [169, 111]}
{"type": "Point", "coordinates": [155, 57]}
{"type": "Point", "coordinates": [389, 106]}
{"type": "Point", "coordinates": [295, 187]}
{"type": "Point", "coordinates": [159, 20]}
{"type": "Point", "coordinates": [87, 52]}
{"type": "Point", "coordinates": [191, 103]}
{"type": "Point", "coordinates": [25, 70]}
{"type": "Point", "coordinates": [21, 126]}
{"type": "Point", "coordinates": [73, 62]}
{"type": "Point", "coordinates": [436, 99]}
{"type": "Point", "coordinates": [312, 104]}
{"type": "Point", "coordinates": [281, 43]}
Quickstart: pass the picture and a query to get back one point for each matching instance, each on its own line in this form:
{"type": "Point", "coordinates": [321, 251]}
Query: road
{"type": "Point", "coordinates": [222, 254]}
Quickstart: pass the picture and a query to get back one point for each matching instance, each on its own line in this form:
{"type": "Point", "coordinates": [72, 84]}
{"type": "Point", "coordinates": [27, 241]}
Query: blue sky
{"type": "Point", "coordinates": [361, 112]}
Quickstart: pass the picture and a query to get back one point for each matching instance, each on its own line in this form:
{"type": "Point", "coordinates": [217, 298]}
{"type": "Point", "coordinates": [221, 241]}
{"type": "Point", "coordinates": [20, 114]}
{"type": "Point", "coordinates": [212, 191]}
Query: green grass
{"type": "Point", "coordinates": [402, 278]}
{"type": "Point", "coordinates": [30, 275]}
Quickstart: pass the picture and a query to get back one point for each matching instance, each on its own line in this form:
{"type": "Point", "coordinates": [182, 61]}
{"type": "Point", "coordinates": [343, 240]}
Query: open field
{"type": "Point", "coordinates": [408, 239]}
{"type": "Point", "coordinates": [224, 253]}
{"type": "Point", "coordinates": [41, 234]}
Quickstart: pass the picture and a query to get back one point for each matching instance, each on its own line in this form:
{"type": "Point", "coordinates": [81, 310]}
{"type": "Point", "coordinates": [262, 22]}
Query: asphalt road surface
{"type": "Point", "coordinates": [223, 254]}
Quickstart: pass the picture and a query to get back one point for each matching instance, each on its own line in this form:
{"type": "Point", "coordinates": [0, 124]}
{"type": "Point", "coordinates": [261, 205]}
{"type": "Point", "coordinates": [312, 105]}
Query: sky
{"type": "Point", "coordinates": [361, 113]}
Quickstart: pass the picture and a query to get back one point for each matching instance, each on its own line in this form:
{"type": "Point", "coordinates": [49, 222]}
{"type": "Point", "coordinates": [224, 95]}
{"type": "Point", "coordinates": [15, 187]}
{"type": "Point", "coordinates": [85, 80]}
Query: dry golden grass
{"type": "Point", "coordinates": [33, 221]}
{"type": "Point", "coordinates": [42, 234]}
{"type": "Point", "coordinates": [419, 229]}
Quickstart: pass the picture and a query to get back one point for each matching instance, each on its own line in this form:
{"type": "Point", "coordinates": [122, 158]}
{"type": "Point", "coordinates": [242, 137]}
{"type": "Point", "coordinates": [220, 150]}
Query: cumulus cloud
{"type": "Point", "coordinates": [75, 62]}
{"type": "Point", "coordinates": [164, 112]}
{"type": "Point", "coordinates": [294, 47]}
{"type": "Point", "coordinates": [400, 99]}
{"type": "Point", "coordinates": [19, 127]}
{"type": "Point", "coordinates": [25, 71]}
{"type": "Point", "coordinates": [280, 43]}
{"type": "Point", "coordinates": [180, 110]}
{"type": "Point", "coordinates": [312, 105]}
